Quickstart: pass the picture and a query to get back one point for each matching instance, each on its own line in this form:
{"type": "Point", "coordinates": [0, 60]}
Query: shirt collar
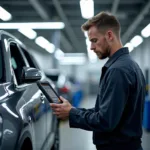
{"type": "Point", "coordinates": [116, 55]}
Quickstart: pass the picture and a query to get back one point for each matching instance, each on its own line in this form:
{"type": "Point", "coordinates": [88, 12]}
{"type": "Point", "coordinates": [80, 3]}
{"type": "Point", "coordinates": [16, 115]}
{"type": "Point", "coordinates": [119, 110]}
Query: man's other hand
{"type": "Point", "coordinates": [61, 110]}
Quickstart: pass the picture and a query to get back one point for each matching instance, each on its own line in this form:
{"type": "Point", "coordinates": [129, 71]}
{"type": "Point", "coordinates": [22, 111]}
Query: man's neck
{"type": "Point", "coordinates": [115, 48]}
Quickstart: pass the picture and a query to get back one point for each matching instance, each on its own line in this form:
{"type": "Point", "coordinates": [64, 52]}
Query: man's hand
{"type": "Point", "coordinates": [61, 110]}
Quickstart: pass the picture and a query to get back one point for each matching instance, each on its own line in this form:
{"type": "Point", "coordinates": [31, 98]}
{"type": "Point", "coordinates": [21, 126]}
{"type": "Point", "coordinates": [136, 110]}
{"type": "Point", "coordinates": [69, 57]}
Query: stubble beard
{"type": "Point", "coordinates": [105, 54]}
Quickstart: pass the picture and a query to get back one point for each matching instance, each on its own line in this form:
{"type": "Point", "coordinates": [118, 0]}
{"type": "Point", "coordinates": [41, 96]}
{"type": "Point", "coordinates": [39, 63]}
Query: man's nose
{"type": "Point", "coordinates": [92, 47]}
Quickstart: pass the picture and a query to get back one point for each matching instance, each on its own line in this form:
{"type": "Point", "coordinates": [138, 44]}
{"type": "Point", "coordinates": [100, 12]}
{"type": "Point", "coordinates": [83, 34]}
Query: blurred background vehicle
{"type": "Point", "coordinates": [77, 91]}
{"type": "Point", "coordinates": [64, 86]}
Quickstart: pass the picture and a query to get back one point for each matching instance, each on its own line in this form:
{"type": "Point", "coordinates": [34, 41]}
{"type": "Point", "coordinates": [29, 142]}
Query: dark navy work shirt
{"type": "Point", "coordinates": [118, 112]}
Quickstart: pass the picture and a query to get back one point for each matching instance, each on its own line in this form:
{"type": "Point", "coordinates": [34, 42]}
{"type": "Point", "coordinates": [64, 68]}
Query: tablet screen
{"type": "Point", "coordinates": [53, 95]}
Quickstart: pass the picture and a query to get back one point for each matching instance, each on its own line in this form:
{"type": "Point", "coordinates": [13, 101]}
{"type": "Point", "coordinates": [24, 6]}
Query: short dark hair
{"type": "Point", "coordinates": [103, 21]}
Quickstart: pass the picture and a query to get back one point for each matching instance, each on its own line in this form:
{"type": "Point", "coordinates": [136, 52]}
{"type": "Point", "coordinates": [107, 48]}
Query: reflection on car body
{"type": "Point", "coordinates": [26, 119]}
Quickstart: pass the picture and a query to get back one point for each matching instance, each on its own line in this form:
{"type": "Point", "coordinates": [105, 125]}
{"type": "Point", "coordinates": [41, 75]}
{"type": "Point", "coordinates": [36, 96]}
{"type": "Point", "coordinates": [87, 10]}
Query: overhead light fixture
{"type": "Point", "coordinates": [136, 40]}
{"type": "Point", "coordinates": [130, 46]}
{"type": "Point", "coordinates": [31, 34]}
{"type": "Point", "coordinates": [73, 60]}
{"type": "Point", "coordinates": [33, 25]}
{"type": "Point", "coordinates": [44, 43]}
{"type": "Point", "coordinates": [5, 15]}
{"type": "Point", "coordinates": [74, 55]}
{"type": "Point", "coordinates": [146, 31]}
{"type": "Point", "coordinates": [87, 8]}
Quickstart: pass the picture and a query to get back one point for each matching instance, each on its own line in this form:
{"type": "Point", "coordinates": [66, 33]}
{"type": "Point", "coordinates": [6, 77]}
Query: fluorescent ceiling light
{"type": "Point", "coordinates": [136, 41]}
{"type": "Point", "coordinates": [33, 25]}
{"type": "Point", "coordinates": [4, 15]}
{"type": "Point", "coordinates": [41, 41]}
{"type": "Point", "coordinates": [31, 34]}
{"type": "Point", "coordinates": [87, 8]}
{"type": "Point", "coordinates": [70, 58]}
{"type": "Point", "coordinates": [74, 55]}
{"type": "Point", "coordinates": [44, 43]}
{"type": "Point", "coordinates": [73, 61]}
{"type": "Point", "coordinates": [59, 54]}
{"type": "Point", "coordinates": [50, 47]}
{"type": "Point", "coordinates": [146, 31]}
{"type": "Point", "coordinates": [130, 46]}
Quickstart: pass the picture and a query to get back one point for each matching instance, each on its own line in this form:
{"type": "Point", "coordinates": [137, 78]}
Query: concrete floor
{"type": "Point", "coordinates": [77, 139]}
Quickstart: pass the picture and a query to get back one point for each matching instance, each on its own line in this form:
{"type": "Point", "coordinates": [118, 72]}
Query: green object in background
{"type": "Point", "coordinates": [13, 62]}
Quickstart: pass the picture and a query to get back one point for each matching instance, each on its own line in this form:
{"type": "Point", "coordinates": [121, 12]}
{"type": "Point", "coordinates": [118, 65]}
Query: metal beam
{"type": "Point", "coordinates": [115, 7]}
{"type": "Point", "coordinates": [101, 2]}
{"type": "Point", "coordinates": [136, 22]}
{"type": "Point", "coordinates": [70, 2]}
{"type": "Point", "coordinates": [15, 3]}
{"type": "Point", "coordinates": [46, 17]}
{"type": "Point", "coordinates": [41, 10]}
{"type": "Point", "coordinates": [68, 27]}
{"type": "Point", "coordinates": [69, 12]}
{"type": "Point", "coordinates": [66, 44]}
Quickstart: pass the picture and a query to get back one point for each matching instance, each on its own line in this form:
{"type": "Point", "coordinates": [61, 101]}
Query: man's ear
{"type": "Point", "coordinates": [109, 35]}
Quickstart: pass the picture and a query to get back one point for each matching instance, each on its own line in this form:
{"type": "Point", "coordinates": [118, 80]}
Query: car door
{"type": "Point", "coordinates": [34, 99]}
{"type": "Point", "coordinates": [50, 122]}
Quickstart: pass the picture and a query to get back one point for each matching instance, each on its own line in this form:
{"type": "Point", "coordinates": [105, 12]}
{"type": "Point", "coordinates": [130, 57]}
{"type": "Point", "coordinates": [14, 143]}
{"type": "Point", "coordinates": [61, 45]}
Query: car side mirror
{"type": "Point", "coordinates": [30, 75]}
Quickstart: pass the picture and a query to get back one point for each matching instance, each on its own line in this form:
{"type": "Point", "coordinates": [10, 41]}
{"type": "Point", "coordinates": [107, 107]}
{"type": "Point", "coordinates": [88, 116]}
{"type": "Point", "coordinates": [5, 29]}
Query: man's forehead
{"type": "Point", "coordinates": [92, 31]}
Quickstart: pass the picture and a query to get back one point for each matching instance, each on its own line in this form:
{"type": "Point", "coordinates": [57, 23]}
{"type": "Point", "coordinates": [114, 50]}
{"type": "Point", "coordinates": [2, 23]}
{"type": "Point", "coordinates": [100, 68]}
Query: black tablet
{"type": "Point", "coordinates": [49, 92]}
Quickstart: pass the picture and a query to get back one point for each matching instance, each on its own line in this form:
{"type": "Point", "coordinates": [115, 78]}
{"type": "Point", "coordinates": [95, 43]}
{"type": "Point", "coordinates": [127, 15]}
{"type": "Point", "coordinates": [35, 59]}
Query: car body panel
{"type": "Point", "coordinates": [24, 109]}
{"type": "Point", "coordinates": [51, 119]}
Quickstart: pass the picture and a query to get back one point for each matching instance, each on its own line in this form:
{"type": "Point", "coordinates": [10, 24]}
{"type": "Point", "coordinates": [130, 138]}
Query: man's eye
{"type": "Point", "coordinates": [94, 40]}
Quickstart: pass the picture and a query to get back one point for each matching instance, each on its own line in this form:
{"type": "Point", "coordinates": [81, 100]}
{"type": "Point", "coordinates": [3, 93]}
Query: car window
{"type": "Point", "coordinates": [17, 62]}
{"type": "Point", "coordinates": [30, 59]}
{"type": "Point", "coordinates": [1, 73]}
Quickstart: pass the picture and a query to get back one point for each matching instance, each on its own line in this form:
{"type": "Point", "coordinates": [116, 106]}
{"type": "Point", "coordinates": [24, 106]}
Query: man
{"type": "Point", "coordinates": [116, 120]}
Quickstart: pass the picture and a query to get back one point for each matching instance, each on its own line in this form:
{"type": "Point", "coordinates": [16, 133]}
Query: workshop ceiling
{"type": "Point", "coordinates": [133, 15]}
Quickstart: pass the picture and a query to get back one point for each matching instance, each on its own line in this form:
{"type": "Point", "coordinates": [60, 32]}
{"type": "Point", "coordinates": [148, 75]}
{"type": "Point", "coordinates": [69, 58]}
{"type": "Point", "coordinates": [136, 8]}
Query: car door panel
{"type": "Point", "coordinates": [50, 121]}
{"type": "Point", "coordinates": [10, 107]}
{"type": "Point", "coordinates": [29, 109]}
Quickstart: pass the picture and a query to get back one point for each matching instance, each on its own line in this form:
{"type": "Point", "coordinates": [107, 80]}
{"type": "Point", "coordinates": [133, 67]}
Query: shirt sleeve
{"type": "Point", "coordinates": [111, 107]}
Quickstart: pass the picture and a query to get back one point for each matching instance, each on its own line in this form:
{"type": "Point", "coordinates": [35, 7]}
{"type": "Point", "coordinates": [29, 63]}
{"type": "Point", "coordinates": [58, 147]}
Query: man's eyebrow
{"type": "Point", "coordinates": [92, 39]}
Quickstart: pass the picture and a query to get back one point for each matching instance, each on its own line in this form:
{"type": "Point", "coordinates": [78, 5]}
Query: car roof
{"type": "Point", "coordinates": [2, 32]}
